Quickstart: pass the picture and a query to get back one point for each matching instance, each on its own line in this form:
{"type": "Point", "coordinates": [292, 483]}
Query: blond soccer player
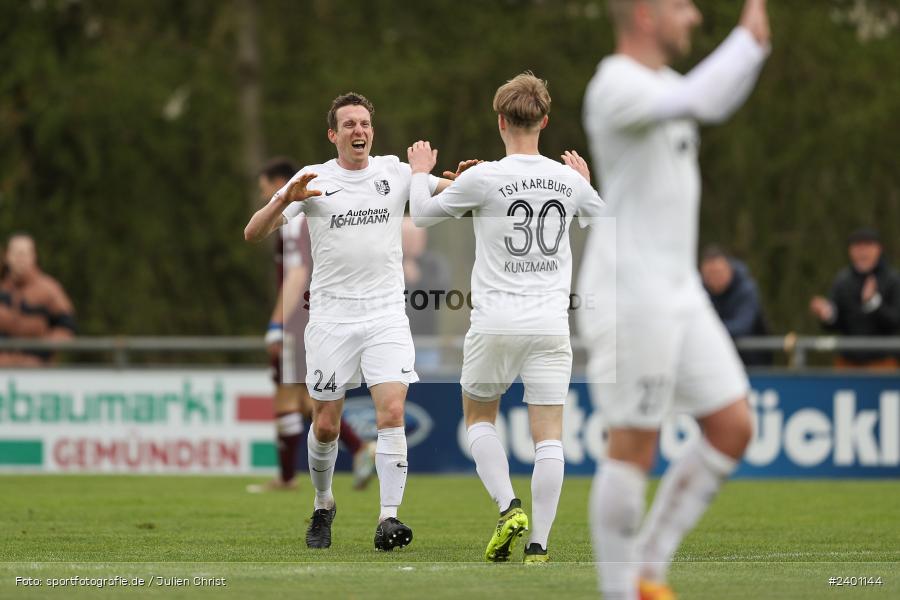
{"type": "Point", "coordinates": [522, 208]}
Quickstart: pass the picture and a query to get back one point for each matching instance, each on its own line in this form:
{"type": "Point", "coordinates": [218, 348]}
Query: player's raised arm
{"type": "Point", "coordinates": [720, 84]}
{"type": "Point", "coordinates": [709, 93]}
{"type": "Point", "coordinates": [270, 217]}
{"type": "Point", "coordinates": [424, 208]}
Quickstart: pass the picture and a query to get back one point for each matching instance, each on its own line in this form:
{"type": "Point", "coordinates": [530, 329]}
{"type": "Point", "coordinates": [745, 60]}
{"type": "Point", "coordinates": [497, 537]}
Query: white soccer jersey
{"type": "Point", "coordinates": [354, 229]}
{"type": "Point", "coordinates": [642, 128]}
{"type": "Point", "coordinates": [522, 207]}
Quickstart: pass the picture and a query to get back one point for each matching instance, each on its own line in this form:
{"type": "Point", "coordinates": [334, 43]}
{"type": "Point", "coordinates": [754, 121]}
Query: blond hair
{"type": "Point", "coordinates": [523, 100]}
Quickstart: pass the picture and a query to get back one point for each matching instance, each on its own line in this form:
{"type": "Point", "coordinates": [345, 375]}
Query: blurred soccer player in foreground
{"type": "Point", "coordinates": [522, 206]}
{"type": "Point", "coordinates": [354, 206]}
{"type": "Point", "coordinates": [293, 260]}
{"type": "Point", "coordinates": [665, 349]}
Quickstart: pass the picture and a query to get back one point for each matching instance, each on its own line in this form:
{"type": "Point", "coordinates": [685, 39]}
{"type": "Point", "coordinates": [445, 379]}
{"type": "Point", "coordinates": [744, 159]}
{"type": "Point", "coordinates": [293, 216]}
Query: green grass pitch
{"type": "Point", "coordinates": [761, 539]}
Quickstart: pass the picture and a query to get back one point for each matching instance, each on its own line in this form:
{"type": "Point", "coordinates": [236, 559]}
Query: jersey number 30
{"type": "Point", "coordinates": [523, 208]}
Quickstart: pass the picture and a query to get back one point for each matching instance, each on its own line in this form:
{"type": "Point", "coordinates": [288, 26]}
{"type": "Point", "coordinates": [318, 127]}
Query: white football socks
{"type": "Point", "coordinates": [491, 463]}
{"type": "Point", "coordinates": [617, 505]}
{"type": "Point", "coordinates": [546, 485]}
{"type": "Point", "coordinates": [321, 458]}
{"type": "Point", "coordinates": [685, 492]}
{"type": "Point", "coordinates": [391, 465]}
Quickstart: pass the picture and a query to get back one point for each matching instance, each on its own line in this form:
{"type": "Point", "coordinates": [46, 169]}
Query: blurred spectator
{"type": "Point", "coordinates": [735, 297]}
{"type": "Point", "coordinates": [32, 304]}
{"type": "Point", "coordinates": [864, 300]}
{"type": "Point", "coordinates": [427, 277]}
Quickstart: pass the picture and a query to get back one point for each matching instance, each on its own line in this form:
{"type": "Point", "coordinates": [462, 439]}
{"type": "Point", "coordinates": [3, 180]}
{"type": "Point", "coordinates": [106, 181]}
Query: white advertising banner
{"type": "Point", "coordinates": [136, 421]}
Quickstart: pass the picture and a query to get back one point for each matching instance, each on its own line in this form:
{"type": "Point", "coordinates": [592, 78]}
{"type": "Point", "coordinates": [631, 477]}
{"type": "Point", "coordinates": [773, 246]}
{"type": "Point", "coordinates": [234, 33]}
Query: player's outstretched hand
{"type": "Point", "coordinates": [756, 19]}
{"type": "Point", "coordinates": [572, 159]}
{"type": "Point", "coordinates": [298, 190]}
{"type": "Point", "coordinates": [422, 157]}
{"type": "Point", "coordinates": [463, 165]}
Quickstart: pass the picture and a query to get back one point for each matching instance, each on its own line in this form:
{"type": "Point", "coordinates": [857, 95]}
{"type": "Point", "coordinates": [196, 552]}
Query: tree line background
{"type": "Point", "coordinates": [131, 132]}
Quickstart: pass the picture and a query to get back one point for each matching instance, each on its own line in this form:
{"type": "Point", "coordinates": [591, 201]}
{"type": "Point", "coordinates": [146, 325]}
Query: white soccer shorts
{"type": "Point", "coordinates": [492, 362]}
{"type": "Point", "coordinates": [337, 354]}
{"type": "Point", "coordinates": [666, 362]}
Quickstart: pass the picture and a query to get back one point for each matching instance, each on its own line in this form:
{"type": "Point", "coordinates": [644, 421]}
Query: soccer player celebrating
{"type": "Point", "coordinates": [357, 322]}
{"type": "Point", "coordinates": [522, 206]}
{"type": "Point", "coordinates": [664, 348]}
{"type": "Point", "coordinates": [292, 403]}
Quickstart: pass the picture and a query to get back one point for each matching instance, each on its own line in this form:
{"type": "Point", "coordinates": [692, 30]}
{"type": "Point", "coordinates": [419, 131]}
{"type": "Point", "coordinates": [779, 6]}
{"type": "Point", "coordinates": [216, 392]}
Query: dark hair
{"type": "Point", "coordinates": [348, 99]}
{"type": "Point", "coordinates": [863, 235]}
{"type": "Point", "coordinates": [279, 167]}
{"type": "Point", "coordinates": [712, 252]}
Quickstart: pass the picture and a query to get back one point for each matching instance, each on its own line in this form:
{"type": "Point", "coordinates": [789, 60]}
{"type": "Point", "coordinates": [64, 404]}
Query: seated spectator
{"type": "Point", "coordinates": [736, 299]}
{"type": "Point", "coordinates": [864, 301]}
{"type": "Point", "coordinates": [32, 304]}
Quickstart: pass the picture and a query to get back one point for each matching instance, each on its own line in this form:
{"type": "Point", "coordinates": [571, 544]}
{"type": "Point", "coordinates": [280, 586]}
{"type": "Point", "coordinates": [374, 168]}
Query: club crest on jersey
{"type": "Point", "coordinates": [383, 187]}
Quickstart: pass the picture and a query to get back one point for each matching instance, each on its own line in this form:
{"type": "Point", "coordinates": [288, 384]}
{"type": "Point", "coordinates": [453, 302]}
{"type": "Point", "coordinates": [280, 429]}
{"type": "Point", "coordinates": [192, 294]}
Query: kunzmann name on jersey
{"type": "Point", "coordinates": [539, 266]}
{"type": "Point", "coordinates": [360, 217]}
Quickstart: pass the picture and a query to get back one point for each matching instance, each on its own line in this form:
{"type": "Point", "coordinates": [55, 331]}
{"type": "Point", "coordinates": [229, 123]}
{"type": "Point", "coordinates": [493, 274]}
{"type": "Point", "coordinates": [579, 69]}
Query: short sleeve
{"type": "Point", "coordinates": [464, 194]}
{"type": "Point", "coordinates": [589, 204]}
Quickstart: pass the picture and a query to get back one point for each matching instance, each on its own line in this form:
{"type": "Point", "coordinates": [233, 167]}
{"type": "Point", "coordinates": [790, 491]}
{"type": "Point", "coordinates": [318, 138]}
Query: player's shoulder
{"type": "Point", "coordinates": [480, 172]}
{"type": "Point", "coordinates": [387, 161]}
{"type": "Point", "coordinates": [618, 73]}
{"type": "Point", "coordinates": [537, 165]}
{"type": "Point", "coordinates": [575, 180]}
{"type": "Point", "coordinates": [485, 167]}
{"type": "Point", "coordinates": [320, 170]}
{"type": "Point", "coordinates": [387, 165]}
{"type": "Point", "coordinates": [618, 65]}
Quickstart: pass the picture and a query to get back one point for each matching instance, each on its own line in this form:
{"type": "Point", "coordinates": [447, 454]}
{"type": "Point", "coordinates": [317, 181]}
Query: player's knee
{"type": "Point", "coordinates": [732, 430]}
{"type": "Point", "coordinates": [742, 431]}
{"type": "Point", "coordinates": [390, 414]}
{"type": "Point", "coordinates": [327, 433]}
{"type": "Point", "coordinates": [327, 427]}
